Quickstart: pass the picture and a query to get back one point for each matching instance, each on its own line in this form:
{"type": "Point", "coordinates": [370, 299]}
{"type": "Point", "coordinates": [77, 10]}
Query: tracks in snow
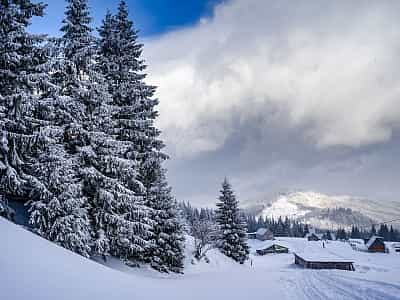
{"type": "Point", "coordinates": [327, 285]}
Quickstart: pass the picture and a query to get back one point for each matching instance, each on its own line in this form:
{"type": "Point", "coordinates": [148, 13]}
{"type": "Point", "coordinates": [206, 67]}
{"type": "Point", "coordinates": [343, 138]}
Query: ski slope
{"type": "Point", "coordinates": [32, 268]}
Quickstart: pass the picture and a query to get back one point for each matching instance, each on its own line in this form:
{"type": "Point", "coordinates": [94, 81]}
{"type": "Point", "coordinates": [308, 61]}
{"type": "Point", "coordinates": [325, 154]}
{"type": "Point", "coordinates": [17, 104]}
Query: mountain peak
{"type": "Point", "coordinates": [325, 211]}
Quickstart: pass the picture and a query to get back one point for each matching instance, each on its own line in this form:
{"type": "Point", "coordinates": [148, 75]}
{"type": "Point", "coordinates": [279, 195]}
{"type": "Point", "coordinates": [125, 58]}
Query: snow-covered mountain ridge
{"type": "Point", "coordinates": [326, 211]}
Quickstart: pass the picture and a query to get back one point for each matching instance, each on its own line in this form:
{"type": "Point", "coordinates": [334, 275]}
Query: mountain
{"type": "Point", "coordinates": [325, 211]}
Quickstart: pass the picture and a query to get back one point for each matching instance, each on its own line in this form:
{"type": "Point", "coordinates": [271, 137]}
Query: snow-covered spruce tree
{"type": "Point", "coordinates": [116, 214]}
{"type": "Point", "coordinates": [167, 242]}
{"type": "Point", "coordinates": [232, 239]}
{"type": "Point", "coordinates": [133, 125]}
{"type": "Point", "coordinates": [62, 215]}
{"type": "Point", "coordinates": [22, 75]}
{"type": "Point", "coordinates": [120, 217]}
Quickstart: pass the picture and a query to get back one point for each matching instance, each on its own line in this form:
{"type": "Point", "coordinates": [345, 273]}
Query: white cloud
{"type": "Point", "coordinates": [332, 68]}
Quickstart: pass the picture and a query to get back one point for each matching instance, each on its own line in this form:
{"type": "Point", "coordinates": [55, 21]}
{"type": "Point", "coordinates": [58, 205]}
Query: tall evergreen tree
{"type": "Point", "coordinates": [232, 229]}
{"type": "Point", "coordinates": [141, 159]}
{"type": "Point", "coordinates": [63, 215]}
{"type": "Point", "coordinates": [373, 230]}
{"type": "Point", "coordinates": [167, 242]}
{"type": "Point", "coordinates": [21, 76]}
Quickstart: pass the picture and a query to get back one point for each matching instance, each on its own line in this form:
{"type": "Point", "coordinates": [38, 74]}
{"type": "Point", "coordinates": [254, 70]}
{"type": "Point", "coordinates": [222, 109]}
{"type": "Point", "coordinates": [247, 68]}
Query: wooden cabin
{"type": "Point", "coordinates": [396, 247]}
{"type": "Point", "coordinates": [323, 262]}
{"type": "Point", "coordinates": [251, 235]}
{"type": "Point", "coordinates": [264, 234]}
{"type": "Point", "coordinates": [376, 244]}
{"type": "Point", "coordinates": [313, 237]}
{"type": "Point", "coordinates": [274, 248]}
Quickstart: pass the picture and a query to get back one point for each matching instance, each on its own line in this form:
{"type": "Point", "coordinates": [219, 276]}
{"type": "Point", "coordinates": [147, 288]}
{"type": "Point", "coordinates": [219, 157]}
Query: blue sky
{"type": "Point", "coordinates": [152, 17]}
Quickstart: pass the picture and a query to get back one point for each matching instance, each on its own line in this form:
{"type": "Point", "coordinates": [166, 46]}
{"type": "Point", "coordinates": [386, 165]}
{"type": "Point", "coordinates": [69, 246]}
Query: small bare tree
{"type": "Point", "coordinates": [203, 232]}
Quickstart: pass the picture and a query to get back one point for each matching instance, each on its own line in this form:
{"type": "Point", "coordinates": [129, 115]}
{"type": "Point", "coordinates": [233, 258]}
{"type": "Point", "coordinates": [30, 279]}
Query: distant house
{"type": "Point", "coordinates": [264, 234]}
{"type": "Point", "coordinates": [316, 262]}
{"type": "Point", "coordinates": [356, 241]}
{"type": "Point", "coordinates": [376, 244]}
{"type": "Point", "coordinates": [274, 248]}
{"type": "Point", "coordinates": [251, 235]}
{"type": "Point", "coordinates": [396, 247]}
{"type": "Point", "coordinates": [261, 234]}
{"type": "Point", "coordinates": [313, 236]}
{"type": "Point", "coordinates": [357, 244]}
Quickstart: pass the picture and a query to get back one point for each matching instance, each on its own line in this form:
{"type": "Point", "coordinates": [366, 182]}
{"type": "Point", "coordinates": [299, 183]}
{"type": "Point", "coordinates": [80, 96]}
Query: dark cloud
{"type": "Point", "coordinates": [282, 95]}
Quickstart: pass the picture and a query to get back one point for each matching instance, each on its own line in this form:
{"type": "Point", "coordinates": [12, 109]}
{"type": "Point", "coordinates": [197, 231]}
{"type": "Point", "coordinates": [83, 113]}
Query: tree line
{"type": "Point", "coordinates": [202, 221]}
{"type": "Point", "coordinates": [388, 233]}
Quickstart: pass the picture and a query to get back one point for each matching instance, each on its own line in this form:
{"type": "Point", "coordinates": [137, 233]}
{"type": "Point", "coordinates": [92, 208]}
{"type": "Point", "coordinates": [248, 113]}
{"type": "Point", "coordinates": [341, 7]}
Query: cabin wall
{"type": "Point", "coordinates": [377, 246]}
{"type": "Point", "coordinates": [347, 266]}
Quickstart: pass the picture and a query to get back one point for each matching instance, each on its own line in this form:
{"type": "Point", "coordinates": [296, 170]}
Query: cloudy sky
{"type": "Point", "coordinates": [275, 95]}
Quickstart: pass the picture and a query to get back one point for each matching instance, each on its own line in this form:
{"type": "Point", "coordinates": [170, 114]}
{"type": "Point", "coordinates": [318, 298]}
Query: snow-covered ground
{"type": "Point", "coordinates": [35, 269]}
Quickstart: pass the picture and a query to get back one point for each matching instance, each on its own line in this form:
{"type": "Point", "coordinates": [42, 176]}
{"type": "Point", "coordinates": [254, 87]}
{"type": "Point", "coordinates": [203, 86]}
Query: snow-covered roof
{"type": "Point", "coordinates": [321, 257]}
{"type": "Point", "coordinates": [262, 231]}
{"type": "Point", "coordinates": [316, 252]}
{"type": "Point", "coordinates": [311, 230]}
{"type": "Point", "coordinates": [372, 240]}
{"type": "Point", "coordinates": [271, 245]}
{"type": "Point", "coordinates": [357, 241]}
{"type": "Point", "coordinates": [318, 235]}
{"type": "Point", "coordinates": [268, 243]}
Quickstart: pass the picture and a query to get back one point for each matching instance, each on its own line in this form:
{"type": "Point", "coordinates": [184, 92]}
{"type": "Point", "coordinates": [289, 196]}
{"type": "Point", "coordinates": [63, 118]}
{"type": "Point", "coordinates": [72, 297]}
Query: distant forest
{"type": "Point", "coordinates": [292, 228]}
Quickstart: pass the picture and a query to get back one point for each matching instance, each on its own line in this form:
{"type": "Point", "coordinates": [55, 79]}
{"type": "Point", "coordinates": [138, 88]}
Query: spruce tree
{"type": "Point", "coordinates": [167, 242]}
{"type": "Point", "coordinates": [19, 76]}
{"type": "Point", "coordinates": [23, 76]}
{"type": "Point", "coordinates": [232, 239]}
{"type": "Point", "coordinates": [63, 214]}
{"type": "Point", "coordinates": [26, 98]}
{"type": "Point", "coordinates": [125, 205]}
{"type": "Point", "coordinates": [117, 218]}
{"type": "Point", "coordinates": [133, 124]}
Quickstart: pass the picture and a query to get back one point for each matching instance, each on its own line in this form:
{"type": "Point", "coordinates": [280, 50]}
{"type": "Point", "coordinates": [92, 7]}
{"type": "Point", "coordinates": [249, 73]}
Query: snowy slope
{"type": "Point", "coordinates": [33, 268]}
{"type": "Point", "coordinates": [312, 208]}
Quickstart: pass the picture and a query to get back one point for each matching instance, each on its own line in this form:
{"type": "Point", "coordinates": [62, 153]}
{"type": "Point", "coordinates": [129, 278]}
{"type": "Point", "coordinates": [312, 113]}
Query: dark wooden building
{"type": "Point", "coordinates": [274, 248]}
{"type": "Point", "coordinates": [376, 244]}
{"type": "Point", "coordinates": [313, 237]}
{"type": "Point", "coordinates": [262, 234]}
{"type": "Point", "coordinates": [323, 263]}
{"type": "Point", "coordinates": [251, 235]}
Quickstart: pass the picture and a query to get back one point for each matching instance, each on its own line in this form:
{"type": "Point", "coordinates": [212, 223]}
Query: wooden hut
{"type": "Point", "coordinates": [274, 248]}
{"type": "Point", "coordinates": [264, 234]}
{"type": "Point", "coordinates": [396, 247]}
{"type": "Point", "coordinates": [376, 244]}
{"type": "Point", "coordinates": [251, 235]}
{"type": "Point", "coordinates": [323, 262]}
{"type": "Point", "coordinates": [313, 237]}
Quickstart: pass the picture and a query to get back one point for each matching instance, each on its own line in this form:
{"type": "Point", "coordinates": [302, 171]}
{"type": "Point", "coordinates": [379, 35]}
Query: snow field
{"type": "Point", "coordinates": [32, 268]}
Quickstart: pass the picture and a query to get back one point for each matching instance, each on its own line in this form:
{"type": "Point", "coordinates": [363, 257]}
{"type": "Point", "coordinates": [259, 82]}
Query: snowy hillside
{"type": "Point", "coordinates": [31, 268]}
{"type": "Point", "coordinates": [318, 209]}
